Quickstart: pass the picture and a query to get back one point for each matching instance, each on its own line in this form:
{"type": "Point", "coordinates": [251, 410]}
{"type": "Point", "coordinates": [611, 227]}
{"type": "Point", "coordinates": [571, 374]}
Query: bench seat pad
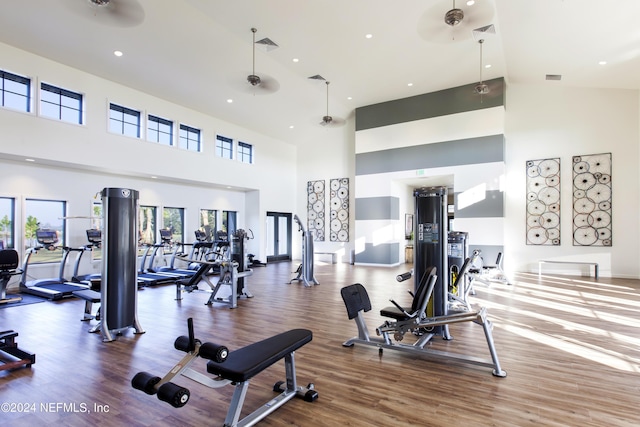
{"type": "Point", "coordinates": [244, 363]}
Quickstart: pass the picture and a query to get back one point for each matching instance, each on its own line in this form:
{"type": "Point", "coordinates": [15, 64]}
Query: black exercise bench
{"type": "Point", "coordinates": [90, 297]}
{"type": "Point", "coordinates": [235, 367]}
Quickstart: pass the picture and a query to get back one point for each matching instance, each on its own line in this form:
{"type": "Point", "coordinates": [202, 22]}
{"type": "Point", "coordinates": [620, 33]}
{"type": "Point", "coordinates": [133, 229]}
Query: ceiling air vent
{"type": "Point", "coordinates": [557, 77]}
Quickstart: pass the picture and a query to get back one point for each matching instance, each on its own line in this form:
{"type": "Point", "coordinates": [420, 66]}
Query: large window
{"type": "Point", "coordinates": [124, 121]}
{"type": "Point", "coordinates": [173, 219]}
{"type": "Point", "coordinates": [44, 215]}
{"type": "Point", "coordinates": [7, 222]}
{"type": "Point", "coordinates": [147, 225]}
{"type": "Point", "coordinates": [159, 130]}
{"type": "Point", "coordinates": [189, 138]}
{"type": "Point", "coordinates": [224, 147]}
{"type": "Point", "coordinates": [245, 152]}
{"type": "Point", "coordinates": [229, 223]}
{"type": "Point", "coordinates": [208, 218]}
{"type": "Point", "coordinates": [15, 91]}
{"type": "Point", "coordinates": [60, 104]}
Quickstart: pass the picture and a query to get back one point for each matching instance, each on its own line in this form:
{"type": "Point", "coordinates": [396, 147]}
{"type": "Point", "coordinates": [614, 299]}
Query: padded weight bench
{"type": "Point", "coordinates": [90, 297]}
{"type": "Point", "coordinates": [235, 367]}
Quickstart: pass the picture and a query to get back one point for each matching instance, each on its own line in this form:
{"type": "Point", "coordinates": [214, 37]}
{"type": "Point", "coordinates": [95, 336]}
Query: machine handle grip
{"type": "Point", "coordinates": [404, 276]}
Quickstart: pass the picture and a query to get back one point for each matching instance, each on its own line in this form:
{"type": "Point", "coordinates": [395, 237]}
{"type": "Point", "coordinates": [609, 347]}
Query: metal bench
{"type": "Point", "coordinates": [594, 264]}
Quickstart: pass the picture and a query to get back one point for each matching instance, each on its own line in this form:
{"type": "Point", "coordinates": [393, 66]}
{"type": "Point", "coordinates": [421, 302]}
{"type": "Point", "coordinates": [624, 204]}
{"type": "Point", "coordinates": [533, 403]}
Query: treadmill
{"type": "Point", "coordinates": [54, 288]}
{"type": "Point", "coordinates": [181, 273]}
{"type": "Point", "coordinates": [93, 279]}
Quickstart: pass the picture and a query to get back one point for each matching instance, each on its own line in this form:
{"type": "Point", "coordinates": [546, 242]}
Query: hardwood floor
{"type": "Point", "coordinates": [570, 346]}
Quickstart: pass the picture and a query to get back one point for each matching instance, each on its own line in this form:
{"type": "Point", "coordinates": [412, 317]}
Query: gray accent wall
{"type": "Point", "coordinates": [377, 208]}
{"type": "Point", "coordinates": [477, 160]}
{"type": "Point", "coordinates": [441, 103]}
{"type": "Point", "coordinates": [492, 206]}
{"type": "Point", "coordinates": [484, 149]}
{"type": "Point", "coordinates": [379, 254]}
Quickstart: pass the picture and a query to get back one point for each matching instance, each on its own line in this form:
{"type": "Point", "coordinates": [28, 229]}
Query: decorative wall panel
{"type": "Point", "coordinates": [339, 210]}
{"type": "Point", "coordinates": [543, 202]}
{"type": "Point", "coordinates": [315, 209]}
{"type": "Point", "coordinates": [592, 200]}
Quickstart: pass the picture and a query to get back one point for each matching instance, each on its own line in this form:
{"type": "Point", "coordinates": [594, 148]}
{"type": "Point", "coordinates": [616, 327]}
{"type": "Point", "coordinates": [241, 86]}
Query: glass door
{"type": "Point", "coordinates": [278, 236]}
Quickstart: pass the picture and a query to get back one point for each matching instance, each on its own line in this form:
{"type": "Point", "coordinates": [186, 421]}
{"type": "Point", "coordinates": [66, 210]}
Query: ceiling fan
{"type": "Point", "coordinates": [261, 84]}
{"type": "Point", "coordinates": [327, 120]}
{"type": "Point", "coordinates": [114, 13]}
{"type": "Point", "coordinates": [444, 22]}
{"type": "Point", "coordinates": [479, 34]}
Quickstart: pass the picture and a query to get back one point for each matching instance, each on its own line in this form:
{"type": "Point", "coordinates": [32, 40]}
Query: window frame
{"type": "Point", "coordinates": [242, 154]}
{"type": "Point", "coordinates": [189, 130]}
{"type": "Point", "coordinates": [212, 218]}
{"type": "Point", "coordinates": [19, 79]}
{"type": "Point", "coordinates": [167, 223]}
{"type": "Point", "coordinates": [65, 96]}
{"type": "Point", "coordinates": [8, 226]}
{"type": "Point", "coordinates": [223, 151]}
{"type": "Point", "coordinates": [44, 256]}
{"type": "Point", "coordinates": [152, 118]}
{"type": "Point", "coordinates": [125, 111]}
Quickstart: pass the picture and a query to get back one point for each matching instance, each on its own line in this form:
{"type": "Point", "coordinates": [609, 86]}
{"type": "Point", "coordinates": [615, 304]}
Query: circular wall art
{"type": "Point", "coordinates": [339, 206]}
{"type": "Point", "coordinates": [592, 200]}
{"type": "Point", "coordinates": [315, 209]}
{"type": "Point", "coordinates": [543, 202]}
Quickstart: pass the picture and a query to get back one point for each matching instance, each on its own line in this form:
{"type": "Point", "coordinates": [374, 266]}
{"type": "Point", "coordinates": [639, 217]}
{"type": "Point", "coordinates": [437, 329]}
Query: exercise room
{"type": "Point", "coordinates": [331, 213]}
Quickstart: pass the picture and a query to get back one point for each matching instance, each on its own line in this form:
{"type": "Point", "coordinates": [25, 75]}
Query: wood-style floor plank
{"type": "Point", "coordinates": [570, 346]}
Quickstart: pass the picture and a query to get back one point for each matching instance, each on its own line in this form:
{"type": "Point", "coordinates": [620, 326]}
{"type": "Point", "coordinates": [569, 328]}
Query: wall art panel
{"type": "Point", "coordinates": [592, 200]}
{"type": "Point", "coordinates": [315, 209]}
{"type": "Point", "coordinates": [543, 202]}
{"type": "Point", "coordinates": [339, 210]}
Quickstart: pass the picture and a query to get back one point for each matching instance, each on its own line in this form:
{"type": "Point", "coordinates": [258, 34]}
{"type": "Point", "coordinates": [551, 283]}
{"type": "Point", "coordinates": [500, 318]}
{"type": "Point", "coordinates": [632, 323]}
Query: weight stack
{"type": "Point", "coordinates": [119, 287]}
{"type": "Point", "coordinates": [430, 244]}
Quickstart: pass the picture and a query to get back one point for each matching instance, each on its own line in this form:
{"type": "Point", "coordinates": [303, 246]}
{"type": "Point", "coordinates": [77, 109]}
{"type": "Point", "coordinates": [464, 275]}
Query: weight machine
{"type": "Point", "coordinates": [305, 270]}
{"type": "Point", "coordinates": [429, 314]}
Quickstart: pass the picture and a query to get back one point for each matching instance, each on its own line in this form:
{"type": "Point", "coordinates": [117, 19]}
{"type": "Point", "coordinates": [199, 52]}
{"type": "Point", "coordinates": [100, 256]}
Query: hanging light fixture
{"type": "Point", "coordinates": [454, 16]}
{"type": "Point", "coordinates": [481, 88]}
{"type": "Point", "coordinates": [253, 79]}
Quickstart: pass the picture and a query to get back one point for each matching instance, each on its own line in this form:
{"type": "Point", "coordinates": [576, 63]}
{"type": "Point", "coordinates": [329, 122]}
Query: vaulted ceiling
{"type": "Point", "coordinates": [198, 53]}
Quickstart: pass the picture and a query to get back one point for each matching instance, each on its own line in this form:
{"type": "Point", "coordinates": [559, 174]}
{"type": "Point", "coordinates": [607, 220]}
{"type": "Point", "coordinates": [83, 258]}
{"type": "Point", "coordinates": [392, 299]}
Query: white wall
{"type": "Point", "coordinates": [326, 154]}
{"type": "Point", "coordinates": [554, 121]}
{"type": "Point", "coordinates": [74, 162]}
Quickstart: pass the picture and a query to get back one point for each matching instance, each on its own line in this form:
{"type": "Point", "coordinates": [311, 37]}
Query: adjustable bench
{"type": "Point", "coordinates": [90, 297]}
{"type": "Point", "coordinates": [235, 367]}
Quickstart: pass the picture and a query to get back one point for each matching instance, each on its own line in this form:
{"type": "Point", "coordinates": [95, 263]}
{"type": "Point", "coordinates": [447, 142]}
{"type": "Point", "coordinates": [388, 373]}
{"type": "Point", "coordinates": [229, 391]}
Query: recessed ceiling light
{"type": "Point", "coordinates": [230, 101]}
{"type": "Point", "coordinates": [29, 160]}
{"type": "Point", "coordinates": [409, 84]}
{"type": "Point", "coordinates": [602, 62]}
{"type": "Point", "coordinates": [296, 60]}
{"type": "Point", "coordinates": [117, 53]}
{"type": "Point", "coordinates": [349, 98]}
{"type": "Point", "coordinates": [369, 36]}
{"type": "Point", "coordinates": [487, 66]}
{"type": "Point", "coordinates": [291, 127]}
{"type": "Point", "coordinates": [471, 2]}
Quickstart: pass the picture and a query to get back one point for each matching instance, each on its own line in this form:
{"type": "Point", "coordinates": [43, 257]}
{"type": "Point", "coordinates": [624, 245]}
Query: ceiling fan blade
{"type": "Point", "coordinates": [113, 13]}
{"type": "Point", "coordinates": [267, 85]}
{"type": "Point", "coordinates": [432, 28]}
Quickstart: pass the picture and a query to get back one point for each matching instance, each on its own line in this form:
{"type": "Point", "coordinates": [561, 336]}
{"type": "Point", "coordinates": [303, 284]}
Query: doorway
{"type": "Point", "coordinates": [278, 236]}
